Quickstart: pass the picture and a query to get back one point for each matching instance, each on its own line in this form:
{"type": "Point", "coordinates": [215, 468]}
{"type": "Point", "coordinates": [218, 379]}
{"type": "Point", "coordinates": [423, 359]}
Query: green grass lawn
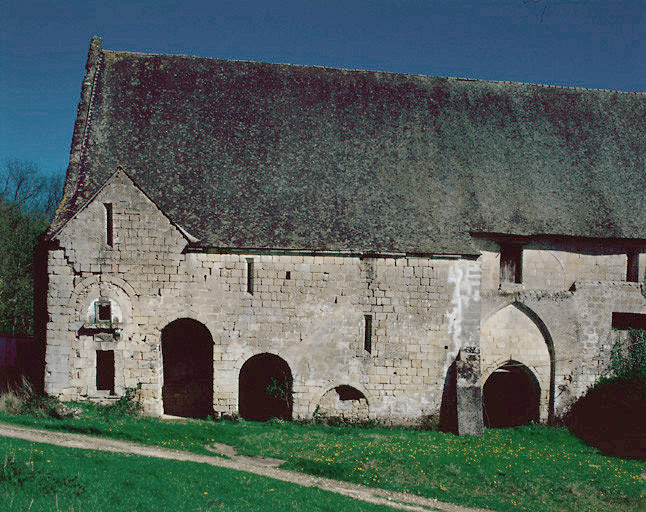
{"type": "Point", "coordinates": [534, 468]}
{"type": "Point", "coordinates": [38, 477]}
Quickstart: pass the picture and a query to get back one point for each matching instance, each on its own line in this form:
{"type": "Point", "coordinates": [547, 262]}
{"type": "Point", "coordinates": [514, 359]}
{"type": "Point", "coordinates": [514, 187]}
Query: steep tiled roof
{"type": "Point", "coordinates": [256, 155]}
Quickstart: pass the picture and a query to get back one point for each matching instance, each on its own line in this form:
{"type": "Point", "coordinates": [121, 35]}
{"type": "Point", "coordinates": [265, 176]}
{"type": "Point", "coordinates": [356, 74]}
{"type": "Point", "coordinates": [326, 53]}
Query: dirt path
{"type": "Point", "coordinates": [258, 466]}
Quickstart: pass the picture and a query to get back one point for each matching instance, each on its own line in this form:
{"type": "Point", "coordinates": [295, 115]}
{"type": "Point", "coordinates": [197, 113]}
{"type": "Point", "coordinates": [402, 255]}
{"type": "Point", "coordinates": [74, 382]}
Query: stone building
{"type": "Point", "coordinates": [292, 241]}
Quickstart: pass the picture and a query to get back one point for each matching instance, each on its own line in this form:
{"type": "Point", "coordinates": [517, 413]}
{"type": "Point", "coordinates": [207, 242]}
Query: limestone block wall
{"type": "Point", "coordinates": [82, 266]}
{"type": "Point", "coordinates": [309, 310]}
{"type": "Point", "coordinates": [595, 301]}
{"type": "Point", "coordinates": [568, 293]}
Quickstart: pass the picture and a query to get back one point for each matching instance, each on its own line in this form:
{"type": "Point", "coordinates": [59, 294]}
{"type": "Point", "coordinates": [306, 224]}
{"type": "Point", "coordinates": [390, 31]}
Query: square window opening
{"type": "Point", "coordinates": [511, 263]}
{"type": "Point", "coordinates": [103, 310]}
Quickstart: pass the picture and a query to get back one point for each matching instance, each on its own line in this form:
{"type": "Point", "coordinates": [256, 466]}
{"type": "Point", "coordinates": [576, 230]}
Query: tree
{"type": "Point", "coordinates": [28, 200]}
{"type": "Point", "coordinates": [24, 185]}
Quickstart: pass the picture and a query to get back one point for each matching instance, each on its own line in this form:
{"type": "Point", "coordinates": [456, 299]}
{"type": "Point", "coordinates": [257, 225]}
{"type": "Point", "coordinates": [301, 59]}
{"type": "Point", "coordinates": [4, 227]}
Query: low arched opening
{"type": "Point", "coordinates": [265, 388]}
{"type": "Point", "coordinates": [510, 397]}
{"type": "Point", "coordinates": [345, 403]}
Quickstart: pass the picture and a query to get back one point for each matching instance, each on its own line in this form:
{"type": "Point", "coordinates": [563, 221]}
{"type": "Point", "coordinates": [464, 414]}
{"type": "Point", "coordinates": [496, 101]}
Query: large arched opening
{"type": "Point", "coordinates": [265, 390]}
{"type": "Point", "coordinates": [511, 397]}
{"type": "Point", "coordinates": [516, 333]}
{"type": "Point", "coordinates": [187, 353]}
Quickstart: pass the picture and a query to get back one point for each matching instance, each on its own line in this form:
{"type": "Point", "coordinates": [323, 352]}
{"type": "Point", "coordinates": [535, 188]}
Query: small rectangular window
{"type": "Point", "coordinates": [105, 370]}
{"type": "Point", "coordinates": [250, 275]}
{"type": "Point", "coordinates": [367, 333]}
{"type": "Point", "coordinates": [103, 310]}
{"type": "Point", "coordinates": [632, 268]}
{"type": "Point", "coordinates": [109, 224]}
{"type": "Point", "coordinates": [511, 263]}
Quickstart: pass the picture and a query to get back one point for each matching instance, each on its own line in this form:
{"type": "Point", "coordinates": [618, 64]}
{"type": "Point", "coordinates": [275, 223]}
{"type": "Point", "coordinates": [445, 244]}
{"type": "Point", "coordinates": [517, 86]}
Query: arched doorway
{"type": "Point", "coordinates": [516, 333]}
{"type": "Point", "coordinates": [187, 353]}
{"type": "Point", "coordinates": [510, 397]}
{"type": "Point", "coordinates": [265, 388]}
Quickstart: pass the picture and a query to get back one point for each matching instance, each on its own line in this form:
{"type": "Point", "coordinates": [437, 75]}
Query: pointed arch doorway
{"type": "Point", "coordinates": [516, 336]}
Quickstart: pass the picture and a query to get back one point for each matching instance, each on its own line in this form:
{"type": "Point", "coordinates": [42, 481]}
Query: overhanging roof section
{"type": "Point", "coordinates": [248, 154]}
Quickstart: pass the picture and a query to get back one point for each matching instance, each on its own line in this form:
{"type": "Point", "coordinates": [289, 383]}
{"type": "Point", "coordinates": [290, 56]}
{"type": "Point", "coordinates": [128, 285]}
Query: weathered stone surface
{"type": "Point", "coordinates": [310, 310]}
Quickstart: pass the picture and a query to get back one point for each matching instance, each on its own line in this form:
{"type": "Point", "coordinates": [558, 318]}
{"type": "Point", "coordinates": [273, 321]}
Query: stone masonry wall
{"type": "Point", "coordinates": [309, 310]}
{"type": "Point", "coordinates": [569, 289]}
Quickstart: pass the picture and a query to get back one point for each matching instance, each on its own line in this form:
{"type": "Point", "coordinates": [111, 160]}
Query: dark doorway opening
{"type": "Point", "coordinates": [105, 370]}
{"type": "Point", "coordinates": [511, 397]}
{"type": "Point", "coordinates": [265, 388]}
{"type": "Point", "coordinates": [187, 352]}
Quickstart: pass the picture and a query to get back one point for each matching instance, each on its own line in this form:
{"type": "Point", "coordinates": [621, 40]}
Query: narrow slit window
{"type": "Point", "coordinates": [288, 275]}
{"type": "Point", "coordinates": [511, 263]}
{"type": "Point", "coordinates": [632, 269]}
{"type": "Point", "coordinates": [109, 224]}
{"type": "Point", "coordinates": [367, 333]}
{"type": "Point", "coordinates": [105, 370]}
{"type": "Point", "coordinates": [250, 276]}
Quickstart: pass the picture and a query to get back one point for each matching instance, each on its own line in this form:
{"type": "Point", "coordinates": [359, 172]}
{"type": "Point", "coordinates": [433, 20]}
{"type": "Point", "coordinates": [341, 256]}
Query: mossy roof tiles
{"type": "Point", "coordinates": [256, 155]}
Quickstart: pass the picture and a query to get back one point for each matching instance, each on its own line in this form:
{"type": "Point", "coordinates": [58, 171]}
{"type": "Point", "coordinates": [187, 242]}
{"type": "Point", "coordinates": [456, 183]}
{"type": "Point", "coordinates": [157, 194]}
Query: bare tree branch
{"type": "Point", "coordinates": [24, 185]}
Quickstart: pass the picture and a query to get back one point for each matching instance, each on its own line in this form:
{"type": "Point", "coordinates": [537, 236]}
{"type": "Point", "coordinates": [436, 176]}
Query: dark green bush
{"type": "Point", "coordinates": [612, 414]}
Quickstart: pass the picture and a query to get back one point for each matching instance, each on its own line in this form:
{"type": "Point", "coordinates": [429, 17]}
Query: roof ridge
{"type": "Point", "coordinates": [548, 86]}
{"type": "Point", "coordinates": [375, 71]}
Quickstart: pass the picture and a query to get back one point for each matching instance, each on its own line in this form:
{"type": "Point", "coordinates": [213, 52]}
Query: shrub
{"type": "Point", "coordinates": [24, 400]}
{"type": "Point", "coordinates": [126, 406]}
{"type": "Point", "coordinates": [611, 415]}
{"type": "Point", "coordinates": [10, 402]}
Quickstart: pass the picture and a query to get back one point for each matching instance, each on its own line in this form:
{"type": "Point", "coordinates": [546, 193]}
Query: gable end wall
{"type": "Point", "coordinates": [424, 310]}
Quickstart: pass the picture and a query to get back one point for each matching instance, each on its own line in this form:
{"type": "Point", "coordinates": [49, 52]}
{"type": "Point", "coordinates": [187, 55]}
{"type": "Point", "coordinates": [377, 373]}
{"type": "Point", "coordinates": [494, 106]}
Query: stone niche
{"type": "Point", "coordinates": [345, 403]}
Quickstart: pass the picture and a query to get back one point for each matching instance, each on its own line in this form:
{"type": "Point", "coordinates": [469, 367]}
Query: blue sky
{"type": "Point", "coordinates": [43, 47]}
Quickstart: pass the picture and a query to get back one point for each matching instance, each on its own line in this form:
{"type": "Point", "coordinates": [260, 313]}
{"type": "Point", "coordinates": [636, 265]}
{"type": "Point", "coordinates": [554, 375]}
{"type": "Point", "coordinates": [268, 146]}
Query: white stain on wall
{"type": "Point", "coordinates": [465, 290]}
